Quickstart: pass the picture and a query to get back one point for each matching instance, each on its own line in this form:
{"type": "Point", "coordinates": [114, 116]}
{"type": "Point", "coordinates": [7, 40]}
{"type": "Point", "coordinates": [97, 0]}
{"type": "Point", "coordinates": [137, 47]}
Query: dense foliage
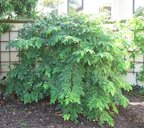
{"type": "Point", "coordinates": [5, 8]}
{"type": "Point", "coordinates": [76, 62]}
{"type": "Point", "coordinates": [4, 27]}
{"type": "Point", "coordinates": [17, 8]}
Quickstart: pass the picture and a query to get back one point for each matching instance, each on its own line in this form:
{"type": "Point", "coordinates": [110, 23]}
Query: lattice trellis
{"type": "Point", "coordinates": [132, 74]}
{"type": "Point", "coordinates": [7, 55]}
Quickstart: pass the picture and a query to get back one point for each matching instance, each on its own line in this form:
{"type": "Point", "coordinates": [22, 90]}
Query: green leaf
{"type": "Point", "coordinates": [66, 116]}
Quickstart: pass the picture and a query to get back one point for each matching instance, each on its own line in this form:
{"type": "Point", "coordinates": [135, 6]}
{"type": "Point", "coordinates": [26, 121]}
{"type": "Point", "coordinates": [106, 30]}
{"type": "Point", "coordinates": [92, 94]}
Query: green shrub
{"type": "Point", "coordinates": [75, 61]}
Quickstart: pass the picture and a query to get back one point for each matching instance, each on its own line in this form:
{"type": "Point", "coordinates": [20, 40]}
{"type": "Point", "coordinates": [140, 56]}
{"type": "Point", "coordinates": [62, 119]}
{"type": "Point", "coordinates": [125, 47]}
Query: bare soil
{"type": "Point", "coordinates": [42, 115]}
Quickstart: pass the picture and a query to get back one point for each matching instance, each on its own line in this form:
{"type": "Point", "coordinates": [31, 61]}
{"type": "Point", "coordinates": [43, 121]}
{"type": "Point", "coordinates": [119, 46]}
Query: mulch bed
{"type": "Point", "coordinates": [42, 115]}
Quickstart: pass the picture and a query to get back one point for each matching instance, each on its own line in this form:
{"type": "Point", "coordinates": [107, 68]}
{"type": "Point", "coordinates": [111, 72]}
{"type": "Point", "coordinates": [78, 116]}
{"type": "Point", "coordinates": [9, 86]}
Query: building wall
{"type": "Point", "coordinates": [63, 7]}
{"type": "Point", "coordinates": [121, 9]}
{"type": "Point", "coordinates": [93, 6]}
{"type": "Point", "coordinates": [139, 3]}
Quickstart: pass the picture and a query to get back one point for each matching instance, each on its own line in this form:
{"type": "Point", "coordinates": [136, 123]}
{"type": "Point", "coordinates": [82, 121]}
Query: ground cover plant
{"type": "Point", "coordinates": [73, 60]}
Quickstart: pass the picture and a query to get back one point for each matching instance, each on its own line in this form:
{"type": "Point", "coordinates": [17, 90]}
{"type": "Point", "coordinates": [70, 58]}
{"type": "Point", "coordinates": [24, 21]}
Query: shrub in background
{"type": "Point", "coordinates": [136, 26]}
{"type": "Point", "coordinates": [75, 61]}
{"type": "Point", "coordinates": [4, 27]}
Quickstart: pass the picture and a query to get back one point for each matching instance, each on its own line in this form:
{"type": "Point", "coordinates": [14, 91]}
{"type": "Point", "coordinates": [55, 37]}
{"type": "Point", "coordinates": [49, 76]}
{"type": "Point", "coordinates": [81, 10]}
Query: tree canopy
{"type": "Point", "coordinates": [17, 8]}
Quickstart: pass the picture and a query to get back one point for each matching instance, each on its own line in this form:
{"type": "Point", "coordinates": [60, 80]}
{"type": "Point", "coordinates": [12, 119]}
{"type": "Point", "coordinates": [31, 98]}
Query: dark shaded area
{"type": "Point", "coordinates": [42, 115]}
{"type": "Point", "coordinates": [36, 115]}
